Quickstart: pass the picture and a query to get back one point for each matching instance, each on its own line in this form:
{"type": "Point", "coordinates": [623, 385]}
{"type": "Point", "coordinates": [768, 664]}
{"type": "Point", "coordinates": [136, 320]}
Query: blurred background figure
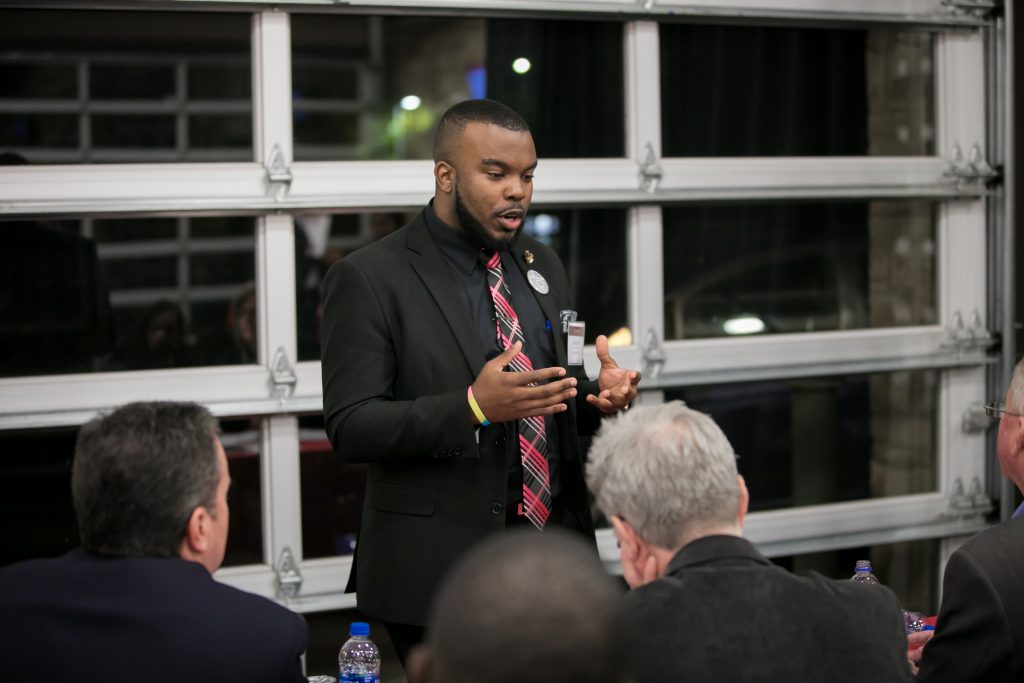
{"type": "Point", "coordinates": [159, 340]}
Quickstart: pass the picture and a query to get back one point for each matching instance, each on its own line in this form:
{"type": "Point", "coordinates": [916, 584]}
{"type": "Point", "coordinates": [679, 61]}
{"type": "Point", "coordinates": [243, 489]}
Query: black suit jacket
{"type": "Point", "coordinates": [82, 617]}
{"type": "Point", "coordinates": [979, 635]}
{"type": "Point", "coordinates": [723, 612]}
{"type": "Point", "coordinates": [399, 351]}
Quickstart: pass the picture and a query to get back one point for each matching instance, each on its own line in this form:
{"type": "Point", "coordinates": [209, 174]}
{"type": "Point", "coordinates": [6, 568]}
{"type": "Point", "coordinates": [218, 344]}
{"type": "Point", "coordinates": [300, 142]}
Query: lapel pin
{"type": "Point", "coordinates": [528, 256]}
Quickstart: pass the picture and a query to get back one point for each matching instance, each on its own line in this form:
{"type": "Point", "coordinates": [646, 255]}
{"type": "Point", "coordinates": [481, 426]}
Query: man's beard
{"type": "Point", "coordinates": [477, 233]}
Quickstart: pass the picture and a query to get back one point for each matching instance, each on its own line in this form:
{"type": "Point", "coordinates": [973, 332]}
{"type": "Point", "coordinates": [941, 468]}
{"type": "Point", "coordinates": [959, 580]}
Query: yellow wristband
{"type": "Point", "coordinates": [475, 407]}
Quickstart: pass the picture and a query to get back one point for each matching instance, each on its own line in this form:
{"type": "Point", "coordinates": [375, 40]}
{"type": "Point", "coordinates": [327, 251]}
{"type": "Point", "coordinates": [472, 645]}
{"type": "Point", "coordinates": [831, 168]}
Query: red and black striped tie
{"type": "Point", "coordinates": [533, 443]}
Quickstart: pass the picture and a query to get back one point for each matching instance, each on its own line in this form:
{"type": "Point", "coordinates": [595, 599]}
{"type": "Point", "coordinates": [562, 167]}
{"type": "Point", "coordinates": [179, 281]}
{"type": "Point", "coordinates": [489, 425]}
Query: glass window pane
{"type": "Point", "coordinates": [219, 80]}
{"type": "Point", "coordinates": [128, 80]}
{"type": "Point", "coordinates": [778, 268]}
{"type": "Point", "coordinates": [142, 293]}
{"type": "Point", "coordinates": [332, 495]}
{"type": "Point", "coordinates": [131, 81]}
{"type": "Point", "coordinates": [30, 131]}
{"type": "Point", "coordinates": [352, 75]}
{"type": "Point", "coordinates": [782, 91]}
{"type": "Point", "coordinates": [35, 474]}
{"type": "Point", "coordinates": [133, 131]}
{"type": "Point", "coordinates": [830, 439]}
{"type": "Point", "coordinates": [39, 80]}
{"type": "Point", "coordinates": [209, 131]}
{"type": "Point", "coordinates": [590, 242]}
{"type": "Point", "coordinates": [910, 569]}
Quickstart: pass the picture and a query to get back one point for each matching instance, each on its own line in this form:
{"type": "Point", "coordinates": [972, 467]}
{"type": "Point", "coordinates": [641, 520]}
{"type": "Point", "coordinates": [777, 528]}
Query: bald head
{"type": "Point", "coordinates": [525, 606]}
{"type": "Point", "coordinates": [454, 121]}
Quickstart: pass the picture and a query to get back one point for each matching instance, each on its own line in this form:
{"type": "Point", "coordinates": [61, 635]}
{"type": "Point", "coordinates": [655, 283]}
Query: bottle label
{"type": "Point", "coordinates": [359, 678]}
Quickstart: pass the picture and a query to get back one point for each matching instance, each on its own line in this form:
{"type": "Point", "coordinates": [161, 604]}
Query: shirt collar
{"type": "Point", "coordinates": [712, 548]}
{"type": "Point", "coordinates": [459, 249]}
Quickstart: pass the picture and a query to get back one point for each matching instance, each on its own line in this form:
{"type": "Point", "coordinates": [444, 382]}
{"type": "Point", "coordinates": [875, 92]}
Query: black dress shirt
{"type": "Point", "coordinates": [468, 265]}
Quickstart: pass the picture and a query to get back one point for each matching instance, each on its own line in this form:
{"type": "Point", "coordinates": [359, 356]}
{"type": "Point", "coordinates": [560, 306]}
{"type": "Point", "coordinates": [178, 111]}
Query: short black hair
{"type": "Point", "coordinates": [454, 121]}
{"type": "Point", "coordinates": [137, 475]}
{"type": "Point", "coordinates": [528, 606]}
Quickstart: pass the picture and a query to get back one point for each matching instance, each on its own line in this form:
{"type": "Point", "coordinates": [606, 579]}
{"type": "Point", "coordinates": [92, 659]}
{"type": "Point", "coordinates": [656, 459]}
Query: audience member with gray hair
{"type": "Point", "coordinates": [524, 606]}
{"type": "Point", "coordinates": [708, 606]}
{"type": "Point", "coordinates": [137, 601]}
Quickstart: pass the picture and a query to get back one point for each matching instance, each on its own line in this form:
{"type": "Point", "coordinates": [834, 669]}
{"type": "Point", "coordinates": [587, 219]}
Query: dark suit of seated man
{"type": "Point", "coordinates": [137, 601]}
{"type": "Point", "coordinates": [707, 605]}
{"type": "Point", "coordinates": [979, 635]}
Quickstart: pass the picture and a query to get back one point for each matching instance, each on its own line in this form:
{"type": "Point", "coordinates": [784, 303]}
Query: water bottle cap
{"type": "Point", "coordinates": [359, 628]}
{"type": "Point", "coordinates": [863, 566]}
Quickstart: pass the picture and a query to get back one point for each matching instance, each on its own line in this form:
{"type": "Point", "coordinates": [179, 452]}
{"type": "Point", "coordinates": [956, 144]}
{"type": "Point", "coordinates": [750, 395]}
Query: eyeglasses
{"type": "Point", "coordinates": [997, 410]}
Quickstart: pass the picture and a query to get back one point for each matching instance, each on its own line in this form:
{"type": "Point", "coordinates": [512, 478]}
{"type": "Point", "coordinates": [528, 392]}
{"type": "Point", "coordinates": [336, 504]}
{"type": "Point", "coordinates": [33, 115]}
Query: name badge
{"type": "Point", "coordinates": [537, 281]}
{"type": "Point", "coordinates": [575, 342]}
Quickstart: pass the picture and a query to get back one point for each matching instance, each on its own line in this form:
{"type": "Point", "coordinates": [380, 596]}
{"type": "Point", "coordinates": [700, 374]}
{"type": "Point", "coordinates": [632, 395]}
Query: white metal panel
{"type": "Point", "coordinates": [271, 85]}
{"type": "Point", "coordinates": [912, 11]}
{"type": "Point", "coordinates": [280, 488]}
{"type": "Point", "coordinates": [807, 348]}
{"type": "Point", "coordinates": [797, 173]}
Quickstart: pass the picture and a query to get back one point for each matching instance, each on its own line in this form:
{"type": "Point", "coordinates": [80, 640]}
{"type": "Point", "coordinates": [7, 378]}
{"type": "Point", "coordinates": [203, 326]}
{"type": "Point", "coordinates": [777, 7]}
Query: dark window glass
{"type": "Point", "coordinates": [219, 130]}
{"type": "Point", "coordinates": [142, 293]}
{"type": "Point", "coordinates": [35, 474]}
{"type": "Point", "coordinates": [332, 495]}
{"type": "Point", "coordinates": [318, 81]}
{"type": "Point", "coordinates": [120, 130]}
{"type": "Point", "coordinates": [364, 89]}
{"type": "Point", "coordinates": [38, 130]}
{"type": "Point", "coordinates": [798, 267]}
{"type": "Point", "coordinates": [131, 81]}
{"type": "Point", "coordinates": [330, 128]}
{"type": "Point", "coordinates": [910, 569]}
{"type": "Point", "coordinates": [39, 80]}
{"type": "Point", "coordinates": [824, 440]}
{"type": "Point", "coordinates": [590, 242]}
{"type": "Point", "coordinates": [140, 273]}
{"type": "Point", "coordinates": [134, 230]}
{"type": "Point", "coordinates": [221, 80]}
{"type": "Point", "coordinates": [779, 91]}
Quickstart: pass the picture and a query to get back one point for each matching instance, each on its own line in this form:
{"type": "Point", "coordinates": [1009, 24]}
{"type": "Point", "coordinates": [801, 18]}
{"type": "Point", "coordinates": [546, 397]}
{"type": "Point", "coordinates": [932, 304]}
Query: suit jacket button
{"type": "Point", "coordinates": [458, 451]}
{"type": "Point", "coordinates": [497, 509]}
{"type": "Point", "coordinates": [500, 441]}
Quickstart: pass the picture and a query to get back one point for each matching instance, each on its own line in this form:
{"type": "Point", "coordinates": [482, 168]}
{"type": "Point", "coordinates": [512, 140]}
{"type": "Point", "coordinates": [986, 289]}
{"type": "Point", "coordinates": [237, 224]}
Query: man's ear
{"type": "Point", "coordinates": [744, 501]}
{"type": "Point", "coordinates": [197, 531]}
{"type": "Point", "coordinates": [444, 176]}
{"type": "Point", "coordinates": [417, 666]}
{"type": "Point", "coordinates": [624, 533]}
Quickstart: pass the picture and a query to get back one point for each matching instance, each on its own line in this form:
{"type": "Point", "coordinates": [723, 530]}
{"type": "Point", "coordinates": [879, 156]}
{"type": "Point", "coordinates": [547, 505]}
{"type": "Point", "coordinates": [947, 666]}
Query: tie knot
{"type": "Point", "coordinates": [493, 258]}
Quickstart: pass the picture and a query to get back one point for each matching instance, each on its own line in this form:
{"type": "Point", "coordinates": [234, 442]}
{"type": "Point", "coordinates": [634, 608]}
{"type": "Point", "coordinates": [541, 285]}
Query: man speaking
{"type": "Point", "coordinates": [446, 368]}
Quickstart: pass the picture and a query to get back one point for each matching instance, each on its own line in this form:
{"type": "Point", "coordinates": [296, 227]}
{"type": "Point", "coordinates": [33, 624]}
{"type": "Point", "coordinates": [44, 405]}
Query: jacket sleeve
{"type": "Point", "coordinates": [973, 638]}
{"type": "Point", "coordinates": [364, 420]}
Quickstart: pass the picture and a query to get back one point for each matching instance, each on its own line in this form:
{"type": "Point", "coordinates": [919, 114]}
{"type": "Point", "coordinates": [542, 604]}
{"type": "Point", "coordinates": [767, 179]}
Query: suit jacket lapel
{"type": "Point", "coordinates": [547, 301]}
{"type": "Point", "coordinates": [429, 264]}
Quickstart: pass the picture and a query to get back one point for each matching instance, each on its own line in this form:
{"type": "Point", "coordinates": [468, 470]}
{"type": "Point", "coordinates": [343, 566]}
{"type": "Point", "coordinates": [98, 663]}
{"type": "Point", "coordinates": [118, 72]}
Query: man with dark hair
{"type": "Point", "coordinates": [149, 485]}
{"type": "Point", "coordinates": [418, 329]}
{"type": "Point", "coordinates": [493, 622]}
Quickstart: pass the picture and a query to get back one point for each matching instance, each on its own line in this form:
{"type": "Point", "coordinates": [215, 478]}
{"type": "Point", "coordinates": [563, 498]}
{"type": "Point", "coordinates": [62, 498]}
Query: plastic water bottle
{"type": "Point", "coordinates": [912, 621]}
{"type": "Point", "coordinates": [862, 573]}
{"type": "Point", "coordinates": [359, 658]}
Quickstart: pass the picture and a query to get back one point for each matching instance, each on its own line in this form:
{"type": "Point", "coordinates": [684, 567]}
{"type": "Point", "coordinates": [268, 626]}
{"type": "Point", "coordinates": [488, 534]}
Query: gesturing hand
{"type": "Point", "coordinates": [618, 386]}
{"type": "Point", "coordinates": [504, 396]}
